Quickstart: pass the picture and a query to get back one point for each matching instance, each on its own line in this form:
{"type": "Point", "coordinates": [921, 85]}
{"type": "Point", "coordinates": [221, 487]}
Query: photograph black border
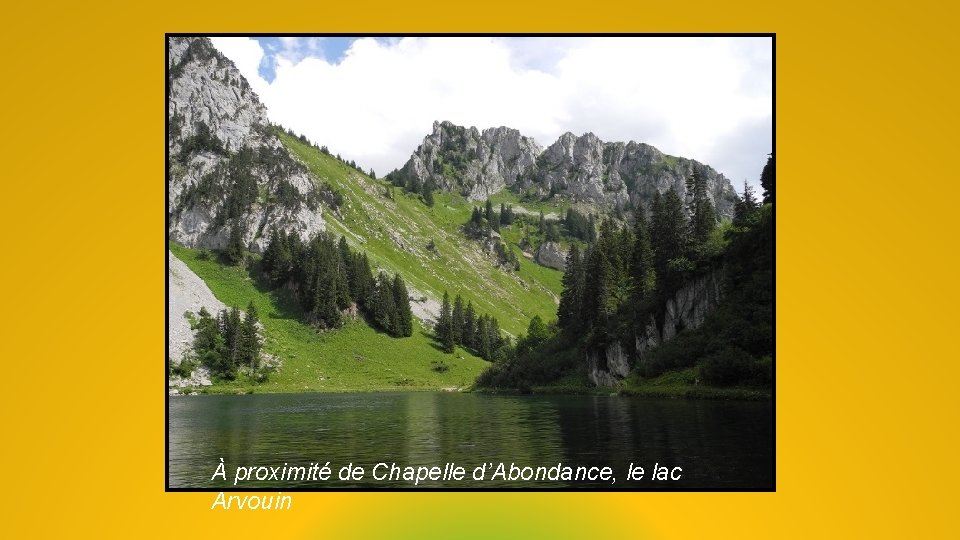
{"type": "Point", "coordinates": [391, 488]}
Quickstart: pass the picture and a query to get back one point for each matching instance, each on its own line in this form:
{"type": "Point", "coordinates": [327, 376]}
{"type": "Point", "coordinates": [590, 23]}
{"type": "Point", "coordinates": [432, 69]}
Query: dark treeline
{"type": "Point", "coordinates": [412, 184]}
{"type": "Point", "coordinates": [327, 278]}
{"type": "Point", "coordinates": [225, 343]}
{"type": "Point", "coordinates": [459, 324]}
{"type": "Point", "coordinates": [614, 285]}
{"type": "Point", "coordinates": [484, 220]}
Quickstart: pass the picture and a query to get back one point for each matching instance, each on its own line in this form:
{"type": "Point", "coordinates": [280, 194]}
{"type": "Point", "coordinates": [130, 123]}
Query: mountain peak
{"type": "Point", "coordinates": [611, 175]}
{"type": "Point", "coordinates": [226, 163]}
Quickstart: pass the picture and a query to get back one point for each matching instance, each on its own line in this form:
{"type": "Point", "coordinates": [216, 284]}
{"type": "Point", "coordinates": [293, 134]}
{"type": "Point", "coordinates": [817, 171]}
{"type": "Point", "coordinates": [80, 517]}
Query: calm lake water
{"type": "Point", "coordinates": [718, 444]}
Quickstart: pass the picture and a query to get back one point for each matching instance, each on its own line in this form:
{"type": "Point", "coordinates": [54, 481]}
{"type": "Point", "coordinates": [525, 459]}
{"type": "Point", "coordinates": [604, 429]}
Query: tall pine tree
{"type": "Point", "coordinates": [667, 230]}
{"type": "Point", "coordinates": [745, 209]}
{"type": "Point", "coordinates": [444, 330]}
{"type": "Point", "coordinates": [235, 243]}
{"type": "Point", "coordinates": [250, 347]}
{"type": "Point", "coordinates": [642, 274]}
{"type": "Point", "coordinates": [457, 320]}
{"type": "Point", "coordinates": [404, 320]}
{"type": "Point", "coordinates": [385, 304]}
{"type": "Point", "coordinates": [703, 217]}
{"type": "Point", "coordinates": [570, 312]}
{"type": "Point", "coordinates": [469, 326]}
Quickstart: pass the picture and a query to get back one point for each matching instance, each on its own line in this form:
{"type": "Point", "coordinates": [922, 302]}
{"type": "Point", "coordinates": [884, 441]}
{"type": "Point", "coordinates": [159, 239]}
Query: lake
{"type": "Point", "coordinates": [718, 445]}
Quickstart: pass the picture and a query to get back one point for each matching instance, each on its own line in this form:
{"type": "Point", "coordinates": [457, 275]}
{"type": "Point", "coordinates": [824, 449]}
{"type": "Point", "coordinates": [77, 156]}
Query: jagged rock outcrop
{"type": "Point", "coordinates": [475, 164]}
{"type": "Point", "coordinates": [549, 254]}
{"type": "Point", "coordinates": [685, 310]}
{"type": "Point", "coordinates": [611, 175]}
{"type": "Point", "coordinates": [227, 166]}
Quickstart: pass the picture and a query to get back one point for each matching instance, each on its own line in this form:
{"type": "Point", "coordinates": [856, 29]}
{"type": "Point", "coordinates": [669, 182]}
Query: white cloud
{"type": "Point", "coordinates": [707, 98]}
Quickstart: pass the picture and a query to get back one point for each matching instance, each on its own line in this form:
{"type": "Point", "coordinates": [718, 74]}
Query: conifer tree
{"type": "Point", "coordinates": [326, 311]}
{"type": "Point", "coordinates": [345, 260]}
{"type": "Point", "coordinates": [469, 326]}
{"type": "Point", "coordinates": [250, 347]}
{"type": "Point", "coordinates": [385, 306]}
{"type": "Point", "coordinates": [235, 244]}
{"type": "Point", "coordinates": [496, 340]}
{"type": "Point", "coordinates": [404, 324]}
{"type": "Point", "coordinates": [570, 312]}
{"type": "Point", "coordinates": [366, 282]}
{"type": "Point", "coordinates": [703, 217]}
{"type": "Point", "coordinates": [553, 232]}
{"type": "Point", "coordinates": [477, 216]}
{"type": "Point", "coordinates": [745, 208]}
{"type": "Point", "coordinates": [457, 320]}
{"type": "Point", "coordinates": [282, 262]}
{"type": "Point", "coordinates": [667, 230]}
{"type": "Point", "coordinates": [444, 330]}
{"type": "Point", "coordinates": [427, 192]}
{"type": "Point", "coordinates": [230, 325]}
{"type": "Point", "coordinates": [340, 284]}
{"type": "Point", "coordinates": [536, 332]}
{"type": "Point", "coordinates": [598, 297]}
{"type": "Point", "coordinates": [642, 274]}
{"type": "Point", "coordinates": [483, 337]}
{"type": "Point", "coordinates": [210, 347]}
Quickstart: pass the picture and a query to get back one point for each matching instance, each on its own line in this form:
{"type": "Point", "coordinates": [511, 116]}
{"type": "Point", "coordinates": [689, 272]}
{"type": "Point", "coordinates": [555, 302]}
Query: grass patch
{"type": "Point", "coordinates": [395, 231]}
{"type": "Point", "coordinates": [355, 357]}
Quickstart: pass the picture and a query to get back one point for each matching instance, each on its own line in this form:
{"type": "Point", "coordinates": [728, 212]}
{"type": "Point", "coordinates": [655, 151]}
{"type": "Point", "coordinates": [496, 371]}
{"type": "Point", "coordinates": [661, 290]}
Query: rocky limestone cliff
{"type": "Point", "coordinates": [465, 160]}
{"type": "Point", "coordinates": [227, 167]}
{"type": "Point", "coordinates": [685, 310]}
{"type": "Point", "coordinates": [583, 169]}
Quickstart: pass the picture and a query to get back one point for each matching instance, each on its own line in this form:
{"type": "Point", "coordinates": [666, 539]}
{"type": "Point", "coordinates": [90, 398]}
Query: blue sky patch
{"type": "Point", "coordinates": [295, 49]}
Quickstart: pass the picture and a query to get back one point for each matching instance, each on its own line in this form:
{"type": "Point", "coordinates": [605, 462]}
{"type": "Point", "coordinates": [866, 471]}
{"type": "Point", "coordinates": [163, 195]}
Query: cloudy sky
{"type": "Point", "coordinates": [374, 99]}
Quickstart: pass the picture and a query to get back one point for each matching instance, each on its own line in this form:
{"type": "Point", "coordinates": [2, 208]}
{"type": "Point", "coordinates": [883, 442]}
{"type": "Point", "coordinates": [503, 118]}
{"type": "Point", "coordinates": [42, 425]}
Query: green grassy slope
{"type": "Point", "coordinates": [355, 357]}
{"type": "Point", "coordinates": [395, 233]}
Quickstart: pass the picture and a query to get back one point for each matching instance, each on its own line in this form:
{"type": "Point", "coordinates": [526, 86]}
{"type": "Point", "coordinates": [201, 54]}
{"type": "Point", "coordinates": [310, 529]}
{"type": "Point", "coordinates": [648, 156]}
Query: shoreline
{"type": "Point", "coordinates": [690, 392]}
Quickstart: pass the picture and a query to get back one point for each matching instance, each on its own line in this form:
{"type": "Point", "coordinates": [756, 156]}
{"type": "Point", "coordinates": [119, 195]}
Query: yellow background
{"type": "Point", "coordinates": [867, 408]}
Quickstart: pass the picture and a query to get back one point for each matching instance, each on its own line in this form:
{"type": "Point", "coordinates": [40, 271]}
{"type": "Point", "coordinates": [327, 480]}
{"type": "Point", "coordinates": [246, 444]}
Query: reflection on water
{"type": "Point", "coordinates": [719, 445]}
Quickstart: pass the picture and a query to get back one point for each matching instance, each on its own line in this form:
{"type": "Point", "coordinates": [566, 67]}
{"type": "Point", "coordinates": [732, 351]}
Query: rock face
{"type": "Point", "coordinates": [475, 164]}
{"type": "Point", "coordinates": [549, 254]}
{"type": "Point", "coordinates": [227, 167]}
{"type": "Point", "coordinates": [584, 169]}
{"type": "Point", "coordinates": [689, 306]}
{"type": "Point", "coordinates": [606, 366]}
{"type": "Point", "coordinates": [685, 310]}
